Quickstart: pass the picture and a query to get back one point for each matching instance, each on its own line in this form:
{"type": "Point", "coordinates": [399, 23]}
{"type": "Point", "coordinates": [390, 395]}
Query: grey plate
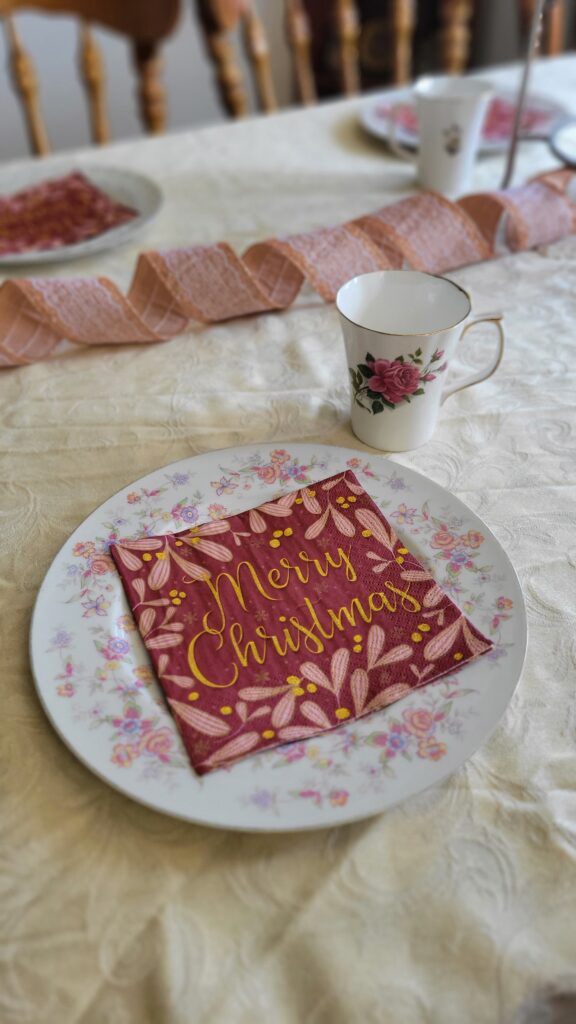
{"type": "Point", "coordinates": [134, 190]}
{"type": "Point", "coordinates": [563, 143]}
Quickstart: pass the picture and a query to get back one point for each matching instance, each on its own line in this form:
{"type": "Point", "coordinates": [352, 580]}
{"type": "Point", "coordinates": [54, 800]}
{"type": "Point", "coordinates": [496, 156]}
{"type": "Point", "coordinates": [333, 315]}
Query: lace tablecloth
{"type": "Point", "coordinates": [458, 905]}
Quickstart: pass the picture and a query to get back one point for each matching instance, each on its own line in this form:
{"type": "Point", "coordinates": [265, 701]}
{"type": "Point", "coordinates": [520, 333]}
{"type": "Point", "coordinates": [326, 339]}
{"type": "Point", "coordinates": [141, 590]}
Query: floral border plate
{"type": "Point", "coordinates": [539, 119]}
{"type": "Point", "coordinates": [94, 679]}
{"type": "Point", "coordinates": [123, 186]}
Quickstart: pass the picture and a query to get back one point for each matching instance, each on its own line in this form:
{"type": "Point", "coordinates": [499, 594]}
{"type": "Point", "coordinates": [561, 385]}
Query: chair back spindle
{"type": "Point", "coordinates": [150, 90]}
{"type": "Point", "coordinates": [25, 81]}
{"type": "Point", "coordinates": [146, 23]}
{"type": "Point", "coordinates": [554, 28]}
{"type": "Point", "coordinates": [217, 19]}
{"type": "Point", "coordinates": [348, 32]}
{"type": "Point", "coordinates": [256, 43]}
{"type": "Point", "coordinates": [403, 18]}
{"type": "Point", "coordinates": [455, 17]}
{"type": "Point", "coordinates": [552, 38]}
{"type": "Point", "coordinates": [220, 18]}
{"type": "Point", "coordinates": [300, 41]}
{"type": "Point", "coordinates": [92, 74]}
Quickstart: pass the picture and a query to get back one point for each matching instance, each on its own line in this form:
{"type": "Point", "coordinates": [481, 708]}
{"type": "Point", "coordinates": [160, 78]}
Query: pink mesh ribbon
{"type": "Point", "coordinates": [212, 283]}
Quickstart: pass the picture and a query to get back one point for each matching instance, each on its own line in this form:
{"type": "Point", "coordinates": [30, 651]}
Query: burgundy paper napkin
{"type": "Point", "coordinates": [288, 620]}
{"type": "Point", "coordinates": [56, 213]}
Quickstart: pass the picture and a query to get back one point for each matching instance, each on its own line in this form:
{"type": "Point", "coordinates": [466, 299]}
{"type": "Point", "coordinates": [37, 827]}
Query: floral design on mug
{"type": "Point", "coordinates": [380, 384]}
{"type": "Point", "coordinates": [453, 140]}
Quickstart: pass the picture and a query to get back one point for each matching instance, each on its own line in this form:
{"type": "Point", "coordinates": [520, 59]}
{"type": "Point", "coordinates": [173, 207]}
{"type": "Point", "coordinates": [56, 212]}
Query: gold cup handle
{"type": "Point", "coordinates": [480, 375]}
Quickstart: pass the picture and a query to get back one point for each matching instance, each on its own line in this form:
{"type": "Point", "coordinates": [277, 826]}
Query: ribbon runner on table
{"type": "Point", "coordinates": [212, 283]}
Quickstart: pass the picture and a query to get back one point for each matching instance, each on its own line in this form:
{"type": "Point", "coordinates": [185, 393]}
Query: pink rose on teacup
{"type": "Point", "coordinates": [393, 379]}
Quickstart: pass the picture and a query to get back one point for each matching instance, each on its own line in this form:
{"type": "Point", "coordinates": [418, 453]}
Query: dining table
{"type": "Point", "coordinates": [456, 904]}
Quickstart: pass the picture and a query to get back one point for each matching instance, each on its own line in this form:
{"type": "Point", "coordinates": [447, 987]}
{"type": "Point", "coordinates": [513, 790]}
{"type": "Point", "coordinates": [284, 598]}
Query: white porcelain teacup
{"type": "Point", "coordinates": [451, 111]}
{"type": "Point", "coordinates": [401, 328]}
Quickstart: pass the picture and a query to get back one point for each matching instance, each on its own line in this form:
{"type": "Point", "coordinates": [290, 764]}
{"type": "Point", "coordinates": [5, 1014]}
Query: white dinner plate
{"type": "Point", "coordinates": [94, 679]}
{"type": "Point", "coordinates": [539, 119]}
{"type": "Point", "coordinates": [135, 190]}
{"type": "Point", "coordinates": [563, 143]}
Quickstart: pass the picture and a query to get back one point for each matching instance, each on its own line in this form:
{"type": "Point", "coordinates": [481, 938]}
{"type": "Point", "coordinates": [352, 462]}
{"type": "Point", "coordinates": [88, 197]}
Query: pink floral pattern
{"type": "Point", "coordinates": [379, 384]}
{"type": "Point", "coordinates": [393, 378]}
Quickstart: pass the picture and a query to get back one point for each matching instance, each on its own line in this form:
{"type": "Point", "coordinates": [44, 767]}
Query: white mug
{"type": "Point", "coordinates": [400, 329]}
{"type": "Point", "coordinates": [451, 112]}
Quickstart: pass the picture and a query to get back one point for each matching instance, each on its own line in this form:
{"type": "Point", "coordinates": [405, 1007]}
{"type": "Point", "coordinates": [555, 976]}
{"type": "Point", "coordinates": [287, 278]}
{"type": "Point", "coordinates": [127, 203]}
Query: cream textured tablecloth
{"type": "Point", "coordinates": [454, 907]}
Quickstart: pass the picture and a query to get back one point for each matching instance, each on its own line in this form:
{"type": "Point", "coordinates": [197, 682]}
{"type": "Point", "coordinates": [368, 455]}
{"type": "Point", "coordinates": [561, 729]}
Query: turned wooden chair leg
{"type": "Point", "coordinates": [228, 75]}
{"type": "Point", "coordinates": [403, 17]}
{"type": "Point", "coordinates": [455, 16]}
{"type": "Point", "coordinates": [92, 74]}
{"type": "Point", "coordinates": [259, 55]}
{"type": "Point", "coordinates": [23, 74]}
{"type": "Point", "coordinates": [151, 92]}
{"type": "Point", "coordinates": [348, 31]}
{"type": "Point", "coordinates": [217, 21]}
{"type": "Point", "coordinates": [300, 40]}
{"type": "Point", "coordinates": [554, 28]}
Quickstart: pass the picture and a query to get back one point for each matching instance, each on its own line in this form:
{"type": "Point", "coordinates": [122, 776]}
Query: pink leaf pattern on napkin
{"type": "Point", "coordinates": [359, 689]}
{"type": "Point", "coordinates": [159, 573]}
{"type": "Point", "coordinates": [236, 748]}
{"type": "Point", "coordinates": [433, 596]}
{"type": "Point", "coordinates": [316, 529]}
{"type": "Point", "coordinates": [442, 643]}
{"type": "Point", "coordinates": [315, 714]}
{"type": "Point", "coordinates": [129, 560]}
{"type": "Point", "coordinates": [298, 732]}
{"type": "Point", "coordinates": [200, 720]}
{"type": "Point", "coordinates": [283, 712]}
{"type": "Point", "coordinates": [374, 646]}
{"type": "Point", "coordinates": [146, 621]}
{"type": "Point", "coordinates": [157, 643]}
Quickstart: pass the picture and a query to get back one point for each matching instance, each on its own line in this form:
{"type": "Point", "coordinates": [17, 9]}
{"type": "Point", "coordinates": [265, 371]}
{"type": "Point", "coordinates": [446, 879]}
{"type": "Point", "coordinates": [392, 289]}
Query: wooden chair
{"type": "Point", "coordinates": [220, 18]}
{"type": "Point", "coordinates": [145, 22]}
{"type": "Point", "coordinates": [553, 28]}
